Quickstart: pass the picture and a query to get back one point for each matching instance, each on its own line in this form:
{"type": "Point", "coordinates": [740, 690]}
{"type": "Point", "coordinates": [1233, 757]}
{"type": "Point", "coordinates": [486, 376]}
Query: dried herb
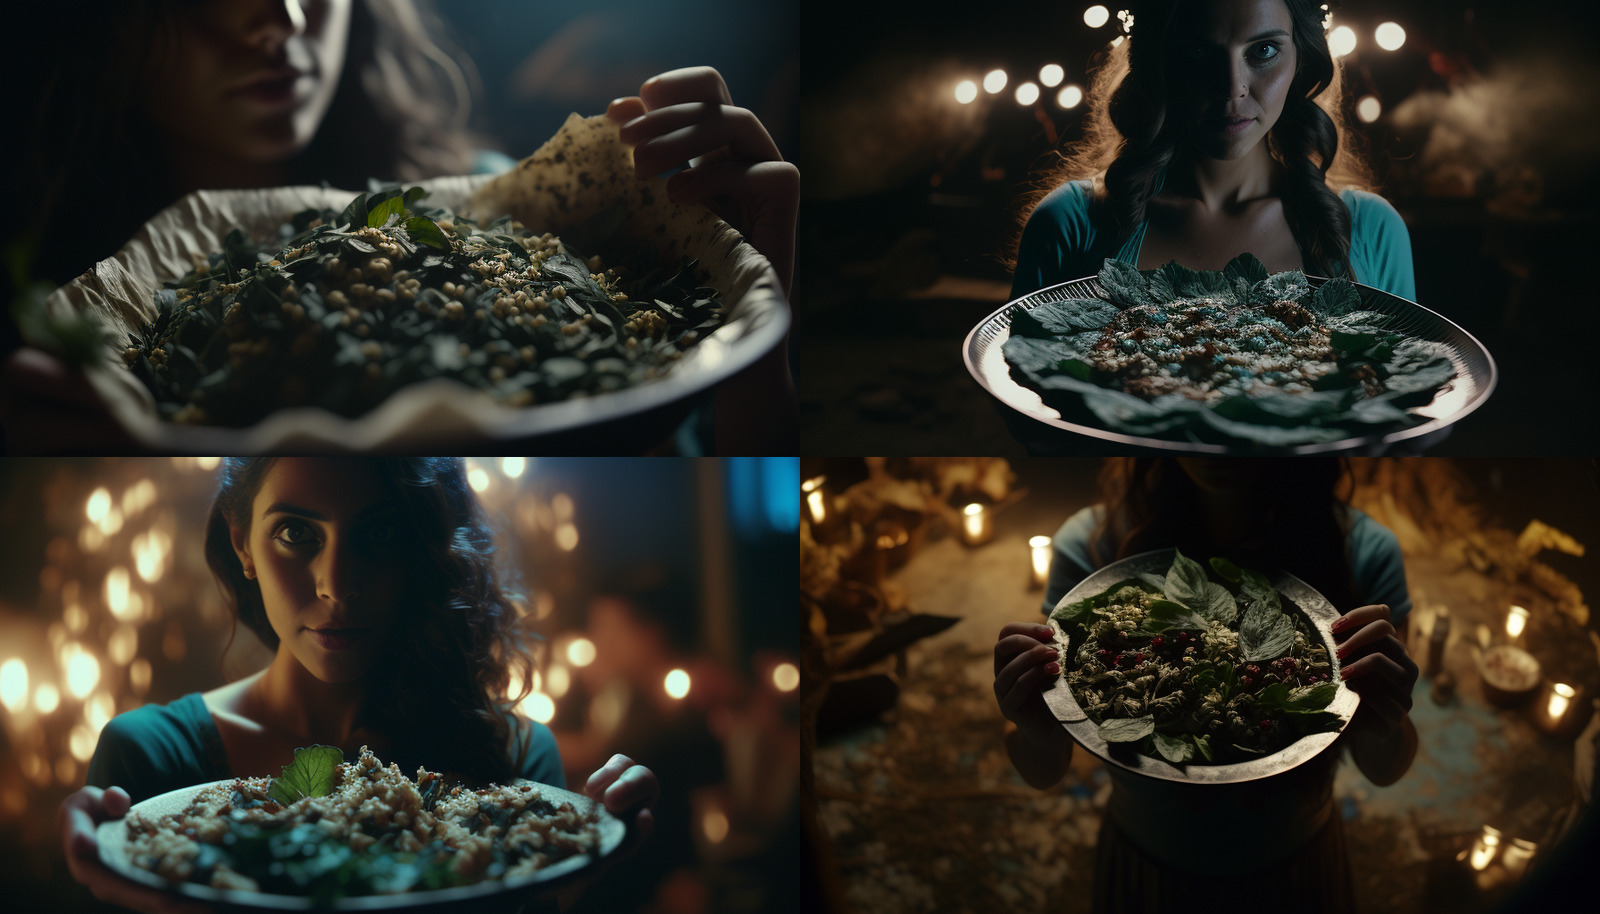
{"type": "Point", "coordinates": [343, 308]}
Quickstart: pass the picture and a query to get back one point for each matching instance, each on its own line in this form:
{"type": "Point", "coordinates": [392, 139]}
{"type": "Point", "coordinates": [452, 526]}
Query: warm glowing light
{"type": "Point", "coordinates": [677, 683]}
{"type": "Point", "coordinates": [1369, 108]}
{"type": "Point", "coordinates": [1484, 849]}
{"type": "Point", "coordinates": [123, 645]}
{"type": "Point", "coordinates": [1516, 621]}
{"type": "Point", "coordinates": [566, 537]}
{"type": "Point", "coordinates": [208, 463]}
{"type": "Point", "coordinates": [1560, 696]}
{"type": "Point", "coordinates": [715, 824]}
{"type": "Point", "coordinates": [98, 507]}
{"type": "Point", "coordinates": [1096, 16]}
{"type": "Point", "coordinates": [1390, 36]}
{"type": "Point", "coordinates": [558, 681]}
{"type": "Point", "coordinates": [33, 767]}
{"type": "Point", "coordinates": [544, 604]}
{"type": "Point", "coordinates": [974, 524]}
{"type": "Point", "coordinates": [786, 677]}
{"type": "Point", "coordinates": [66, 770]}
{"type": "Point", "coordinates": [966, 91]}
{"type": "Point", "coordinates": [561, 505]}
{"type": "Point", "coordinates": [477, 478]}
{"type": "Point", "coordinates": [1516, 855]}
{"type": "Point", "coordinates": [817, 504]}
{"type": "Point", "coordinates": [13, 684]}
{"type": "Point", "coordinates": [139, 676]}
{"type": "Point", "coordinates": [150, 551]}
{"type": "Point", "coordinates": [117, 593]}
{"type": "Point", "coordinates": [90, 539]}
{"type": "Point", "coordinates": [513, 466]}
{"type": "Point", "coordinates": [83, 671]}
{"type": "Point", "coordinates": [138, 496]}
{"type": "Point", "coordinates": [75, 618]}
{"type": "Point", "coordinates": [1040, 548]}
{"type": "Point", "coordinates": [1117, 41]}
{"type": "Point", "coordinates": [98, 711]}
{"type": "Point", "coordinates": [111, 523]}
{"type": "Point", "coordinates": [46, 698]}
{"type": "Point", "coordinates": [1027, 93]}
{"type": "Point", "coordinates": [538, 706]}
{"type": "Point", "coordinates": [1070, 96]}
{"type": "Point", "coordinates": [81, 742]}
{"type": "Point", "coordinates": [580, 652]}
{"type": "Point", "coordinates": [1342, 40]}
{"type": "Point", "coordinates": [994, 81]}
{"type": "Point", "coordinates": [1051, 74]}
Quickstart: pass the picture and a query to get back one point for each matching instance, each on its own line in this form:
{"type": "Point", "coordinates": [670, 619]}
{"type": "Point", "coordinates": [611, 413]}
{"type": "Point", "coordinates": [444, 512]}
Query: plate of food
{"type": "Point", "coordinates": [1229, 360]}
{"type": "Point", "coordinates": [332, 835]}
{"type": "Point", "coordinates": [1198, 672]}
{"type": "Point", "coordinates": [565, 302]}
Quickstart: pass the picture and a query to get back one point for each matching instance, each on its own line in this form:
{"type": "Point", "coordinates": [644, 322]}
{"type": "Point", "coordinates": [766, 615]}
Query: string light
{"type": "Point", "coordinates": [1389, 36]}
{"type": "Point", "coordinates": [786, 677]}
{"type": "Point", "coordinates": [1070, 96]}
{"type": "Point", "coordinates": [1027, 93]}
{"type": "Point", "coordinates": [1369, 109]}
{"type": "Point", "coordinates": [994, 81]}
{"type": "Point", "coordinates": [45, 698]}
{"type": "Point", "coordinates": [1096, 16]}
{"type": "Point", "coordinates": [1341, 41]}
{"type": "Point", "coordinates": [1051, 75]}
{"type": "Point", "coordinates": [98, 506]}
{"type": "Point", "coordinates": [513, 467]}
{"type": "Point", "coordinates": [580, 652]}
{"type": "Point", "coordinates": [677, 683]}
{"type": "Point", "coordinates": [966, 91]}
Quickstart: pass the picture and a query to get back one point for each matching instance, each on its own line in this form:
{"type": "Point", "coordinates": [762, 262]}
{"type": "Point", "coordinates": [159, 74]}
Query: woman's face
{"type": "Point", "coordinates": [1231, 65]}
{"type": "Point", "coordinates": [326, 548]}
{"type": "Point", "coordinates": [250, 80]}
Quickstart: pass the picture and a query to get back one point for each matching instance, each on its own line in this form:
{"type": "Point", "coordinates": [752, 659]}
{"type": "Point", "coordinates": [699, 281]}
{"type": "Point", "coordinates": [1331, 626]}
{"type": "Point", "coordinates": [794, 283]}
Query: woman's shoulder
{"type": "Point", "coordinates": [1369, 209]}
{"type": "Point", "coordinates": [1059, 241]}
{"type": "Point", "coordinates": [154, 748]}
{"type": "Point", "coordinates": [1380, 244]}
{"type": "Point", "coordinates": [1069, 204]}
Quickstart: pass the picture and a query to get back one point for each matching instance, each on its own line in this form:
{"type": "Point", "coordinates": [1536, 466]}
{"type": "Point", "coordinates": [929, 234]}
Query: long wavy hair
{"type": "Point", "coordinates": [399, 112]}
{"type": "Point", "coordinates": [1299, 505]}
{"type": "Point", "coordinates": [1129, 137]}
{"type": "Point", "coordinates": [457, 643]}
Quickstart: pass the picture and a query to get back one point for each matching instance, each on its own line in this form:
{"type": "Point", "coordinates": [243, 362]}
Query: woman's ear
{"type": "Point", "coordinates": [240, 537]}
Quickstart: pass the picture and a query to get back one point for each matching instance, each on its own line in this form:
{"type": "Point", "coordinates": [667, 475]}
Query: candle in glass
{"type": "Point", "coordinates": [1516, 621]}
{"type": "Point", "coordinates": [816, 502]}
{"type": "Point", "coordinates": [1484, 849]}
{"type": "Point", "coordinates": [1552, 716]}
{"type": "Point", "coordinates": [975, 529]}
{"type": "Point", "coordinates": [1039, 546]}
{"type": "Point", "coordinates": [1516, 855]}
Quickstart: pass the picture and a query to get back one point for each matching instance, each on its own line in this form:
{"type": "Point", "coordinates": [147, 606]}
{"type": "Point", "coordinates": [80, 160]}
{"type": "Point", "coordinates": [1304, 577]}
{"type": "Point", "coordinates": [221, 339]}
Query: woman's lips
{"type": "Point", "coordinates": [1228, 126]}
{"type": "Point", "coordinates": [339, 639]}
{"type": "Point", "coordinates": [273, 93]}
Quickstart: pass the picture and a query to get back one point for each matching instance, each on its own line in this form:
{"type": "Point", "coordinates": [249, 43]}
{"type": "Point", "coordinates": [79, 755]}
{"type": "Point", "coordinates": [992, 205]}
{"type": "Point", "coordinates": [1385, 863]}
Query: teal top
{"type": "Point", "coordinates": [1375, 562]}
{"type": "Point", "coordinates": [1068, 236]}
{"type": "Point", "coordinates": [151, 750]}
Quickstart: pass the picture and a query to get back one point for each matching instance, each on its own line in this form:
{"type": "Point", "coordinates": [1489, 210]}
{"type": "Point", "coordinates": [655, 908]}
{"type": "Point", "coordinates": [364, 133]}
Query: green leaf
{"type": "Point", "coordinates": [1156, 583]}
{"type": "Point", "coordinates": [1335, 297]}
{"type": "Point", "coordinates": [1165, 614]}
{"type": "Point", "coordinates": [1226, 570]}
{"type": "Point", "coordinates": [1124, 284]}
{"type": "Point", "coordinates": [311, 774]}
{"type": "Point", "coordinates": [1176, 750]}
{"type": "Point", "coordinates": [1128, 729]}
{"type": "Point", "coordinates": [425, 231]}
{"type": "Point", "coordinates": [1186, 580]}
{"type": "Point", "coordinates": [1202, 745]}
{"type": "Point", "coordinates": [379, 215]}
{"type": "Point", "coordinates": [1254, 587]}
{"type": "Point", "coordinates": [1265, 633]}
{"type": "Point", "coordinates": [1174, 281]}
{"type": "Point", "coordinates": [1287, 286]}
{"type": "Point", "coordinates": [1062, 318]}
{"type": "Point", "coordinates": [1072, 612]}
{"type": "Point", "coordinates": [1306, 723]}
{"type": "Point", "coordinates": [1246, 267]}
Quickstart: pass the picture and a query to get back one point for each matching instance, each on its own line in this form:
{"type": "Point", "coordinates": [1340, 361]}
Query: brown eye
{"type": "Point", "coordinates": [294, 534]}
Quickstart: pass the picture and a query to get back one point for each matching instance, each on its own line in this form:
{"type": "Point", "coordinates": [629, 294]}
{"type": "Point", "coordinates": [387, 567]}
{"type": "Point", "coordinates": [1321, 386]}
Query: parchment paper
{"type": "Point", "coordinates": [582, 174]}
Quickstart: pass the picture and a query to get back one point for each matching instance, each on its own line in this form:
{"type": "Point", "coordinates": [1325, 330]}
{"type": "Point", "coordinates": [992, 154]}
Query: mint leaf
{"type": "Point", "coordinates": [1265, 633]}
{"type": "Point", "coordinates": [1174, 281]}
{"type": "Point", "coordinates": [1186, 580]}
{"type": "Point", "coordinates": [1335, 297]}
{"type": "Point", "coordinates": [1174, 749]}
{"type": "Point", "coordinates": [1156, 583]}
{"type": "Point", "coordinates": [378, 216]}
{"type": "Point", "coordinates": [1128, 729]}
{"type": "Point", "coordinates": [1225, 569]}
{"type": "Point", "coordinates": [311, 774]}
{"type": "Point", "coordinates": [1165, 614]}
{"type": "Point", "coordinates": [1124, 284]}
{"type": "Point", "coordinates": [1247, 268]}
{"type": "Point", "coordinates": [1075, 612]}
{"type": "Point", "coordinates": [425, 231]}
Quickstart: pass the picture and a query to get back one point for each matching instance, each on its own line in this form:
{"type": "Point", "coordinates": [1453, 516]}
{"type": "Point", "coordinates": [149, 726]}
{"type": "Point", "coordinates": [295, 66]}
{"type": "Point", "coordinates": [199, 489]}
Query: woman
{"type": "Point", "coordinates": [262, 93]}
{"type": "Point", "coordinates": [1277, 841]}
{"type": "Point", "coordinates": [1215, 130]}
{"type": "Point", "coordinates": [373, 582]}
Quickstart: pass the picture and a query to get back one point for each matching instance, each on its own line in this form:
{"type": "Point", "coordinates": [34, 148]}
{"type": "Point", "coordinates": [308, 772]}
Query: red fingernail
{"type": "Point", "coordinates": [1344, 674]}
{"type": "Point", "coordinates": [1052, 668]}
{"type": "Point", "coordinates": [1340, 623]}
{"type": "Point", "coordinates": [1341, 652]}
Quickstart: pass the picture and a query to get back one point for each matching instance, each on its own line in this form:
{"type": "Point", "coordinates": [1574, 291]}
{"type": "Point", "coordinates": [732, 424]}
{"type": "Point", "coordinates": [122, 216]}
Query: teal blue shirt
{"type": "Point", "coordinates": [1375, 562]}
{"type": "Point", "coordinates": [151, 750]}
{"type": "Point", "coordinates": [1069, 235]}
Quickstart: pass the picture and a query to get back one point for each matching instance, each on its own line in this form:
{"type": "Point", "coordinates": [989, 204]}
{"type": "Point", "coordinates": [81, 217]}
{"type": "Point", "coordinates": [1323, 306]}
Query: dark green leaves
{"type": "Point", "coordinates": [1062, 318]}
{"type": "Point", "coordinates": [1124, 284]}
{"type": "Point", "coordinates": [1078, 612]}
{"type": "Point", "coordinates": [1335, 297]}
{"type": "Point", "coordinates": [311, 774]}
{"type": "Point", "coordinates": [1186, 584]}
{"type": "Point", "coordinates": [1163, 615]}
{"type": "Point", "coordinates": [1176, 750]}
{"type": "Point", "coordinates": [425, 231]}
{"type": "Point", "coordinates": [1127, 729]}
{"type": "Point", "coordinates": [1175, 282]}
{"type": "Point", "coordinates": [1265, 633]}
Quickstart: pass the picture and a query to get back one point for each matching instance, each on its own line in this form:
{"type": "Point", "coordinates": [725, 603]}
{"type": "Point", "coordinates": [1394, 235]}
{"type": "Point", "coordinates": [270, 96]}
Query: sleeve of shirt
{"type": "Point", "coordinates": [1069, 559]}
{"type": "Point", "coordinates": [146, 752]}
{"type": "Point", "coordinates": [1057, 236]}
{"type": "Point", "coordinates": [1378, 568]}
{"type": "Point", "coordinates": [1384, 244]}
{"type": "Point", "coordinates": [539, 759]}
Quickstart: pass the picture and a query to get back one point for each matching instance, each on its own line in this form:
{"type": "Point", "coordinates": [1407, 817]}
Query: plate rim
{"type": "Point", "coordinates": [111, 843]}
{"type": "Point", "coordinates": [1001, 317]}
{"type": "Point", "coordinates": [1313, 605]}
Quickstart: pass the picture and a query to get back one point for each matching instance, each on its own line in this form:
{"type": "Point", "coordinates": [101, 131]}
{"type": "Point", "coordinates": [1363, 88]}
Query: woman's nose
{"type": "Point", "coordinates": [273, 23]}
{"type": "Point", "coordinates": [1232, 81]}
{"type": "Point", "coordinates": [338, 574]}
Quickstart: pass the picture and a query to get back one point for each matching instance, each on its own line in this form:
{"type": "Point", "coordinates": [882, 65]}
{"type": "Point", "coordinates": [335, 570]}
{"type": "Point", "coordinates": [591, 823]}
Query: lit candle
{"type": "Point", "coordinates": [1484, 849]}
{"type": "Point", "coordinates": [1516, 621]}
{"type": "Point", "coordinates": [974, 525]}
{"type": "Point", "coordinates": [1040, 546]}
{"type": "Point", "coordinates": [816, 503]}
{"type": "Point", "coordinates": [1515, 858]}
{"type": "Point", "coordinates": [1554, 712]}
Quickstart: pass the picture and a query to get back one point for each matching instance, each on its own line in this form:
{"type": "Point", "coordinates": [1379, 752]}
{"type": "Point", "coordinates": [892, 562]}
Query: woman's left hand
{"type": "Point", "coordinates": [1375, 665]}
{"type": "Point", "coordinates": [625, 787]}
{"type": "Point", "coordinates": [687, 117]}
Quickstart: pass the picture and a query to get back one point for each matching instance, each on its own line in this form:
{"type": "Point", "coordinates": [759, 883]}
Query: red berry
{"type": "Point", "coordinates": [1117, 660]}
{"type": "Point", "coordinates": [1252, 669]}
{"type": "Point", "coordinates": [1247, 680]}
{"type": "Point", "coordinates": [1266, 725]}
{"type": "Point", "coordinates": [1157, 641]}
{"type": "Point", "coordinates": [1102, 653]}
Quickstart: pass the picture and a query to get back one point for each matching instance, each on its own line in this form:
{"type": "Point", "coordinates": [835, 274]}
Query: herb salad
{"type": "Point", "coordinates": [344, 308]}
{"type": "Point", "coordinates": [1194, 670]}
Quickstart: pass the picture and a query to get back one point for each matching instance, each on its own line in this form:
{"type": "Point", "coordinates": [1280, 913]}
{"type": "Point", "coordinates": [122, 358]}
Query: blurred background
{"type": "Point", "coordinates": [920, 132]}
{"type": "Point", "coordinates": [661, 587]}
{"type": "Point", "coordinates": [911, 566]}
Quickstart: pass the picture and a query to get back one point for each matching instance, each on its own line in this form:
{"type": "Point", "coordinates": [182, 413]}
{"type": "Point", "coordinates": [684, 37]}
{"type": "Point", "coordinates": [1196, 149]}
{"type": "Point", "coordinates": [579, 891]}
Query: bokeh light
{"type": "Point", "coordinates": [566, 537]}
{"type": "Point", "coordinates": [1051, 75]}
{"type": "Point", "coordinates": [786, 677]}
{"type": "Point", "coordinates": [46, 699]}
{"type": "Point", "coordinates": [13, 684]}
{"type": "Point", "coordinates": [98, 506]}
{"type": "Point", "coordinates": [677, 683]}
{"type": "Point", "coordinates": [966, 91]}
{"type": "Point", "coordinates": [513, 467]}
{"type": "Point", "coordinates": [558, 680]}
{"type": "Point", "coordinates": [1096, 16]}
{"type": "Point", "coordinates": [116, 592]}
{"type": "Point", "coordinates": [580, 652]}
{"type": "Point", "coordinates": [1390, 36]}
{"type": "Point", "coordinates": [1342, 40]}
{"type": "Point", "coordinates": [1027, 93]}
{"type": "Point", "coordinates": [139, 676]}
{"type": "Point", "coordinates": [715, 825]}
{"type": "Point", "coordinates": [994, 81]}
{"type": "Point", "coordinates": [1070, 96]}
{"type": "Point", "coordinates": [478, 479]}
{"type": "Point", "coordinates": [83, 670]}
{"type": "Point", "coordinates": [1368, 109]}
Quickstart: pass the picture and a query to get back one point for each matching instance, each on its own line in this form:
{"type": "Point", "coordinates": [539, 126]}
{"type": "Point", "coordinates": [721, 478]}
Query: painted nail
{"type": "Point", "coordinates": [1052, 668]}
{"type": "Point", "coordinates": [1344, 674]}
{"type": "Point", "coordinates": [1044, 631]}
{"type": "Point", "coordinates": [1341, 623]}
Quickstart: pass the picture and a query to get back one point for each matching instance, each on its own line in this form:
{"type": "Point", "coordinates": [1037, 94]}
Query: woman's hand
{"type": "Point", "coordinates": [1026, 662]}
{"type": "Point", "coordinates": [625, 787]}
{"type": "Point", "coordinates": [1375, 665]}
{"type": "Point", "coordinates": [687, 117]}
{"type": "Point", "coordinates": [47, 407]}
{"type": "Point", "coordinates": [80, 814]}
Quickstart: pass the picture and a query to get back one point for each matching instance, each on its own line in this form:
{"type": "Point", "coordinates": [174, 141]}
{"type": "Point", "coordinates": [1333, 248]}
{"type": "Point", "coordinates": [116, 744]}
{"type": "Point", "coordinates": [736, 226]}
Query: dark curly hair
{"type": "Point", "coordinates": [1129, 138]}
{"type": "Point", "coordinates": [1152, 503]}
{"type": "Point", "coordinates": [458, 641]}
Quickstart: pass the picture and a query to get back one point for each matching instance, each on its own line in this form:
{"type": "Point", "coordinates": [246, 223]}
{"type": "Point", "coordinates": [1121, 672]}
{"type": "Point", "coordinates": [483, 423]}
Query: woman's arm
{"type": "Point", "coordinates": [1376, 666]}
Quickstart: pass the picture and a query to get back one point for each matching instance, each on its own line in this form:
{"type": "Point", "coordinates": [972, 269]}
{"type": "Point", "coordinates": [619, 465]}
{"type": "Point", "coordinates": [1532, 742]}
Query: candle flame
{"type": "Point", "coordinates": [1560, 697]}
{"type": "Point", "coordinates": [1516, 621]}
{"type": "Point", "coordinates": [1488, 844]}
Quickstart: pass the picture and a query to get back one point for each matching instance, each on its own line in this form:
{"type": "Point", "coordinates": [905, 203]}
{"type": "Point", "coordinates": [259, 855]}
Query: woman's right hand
{"type": "Point", "coordinates": [79, 816]}
{"type": "Point", "coordinates": [1026, 661]}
